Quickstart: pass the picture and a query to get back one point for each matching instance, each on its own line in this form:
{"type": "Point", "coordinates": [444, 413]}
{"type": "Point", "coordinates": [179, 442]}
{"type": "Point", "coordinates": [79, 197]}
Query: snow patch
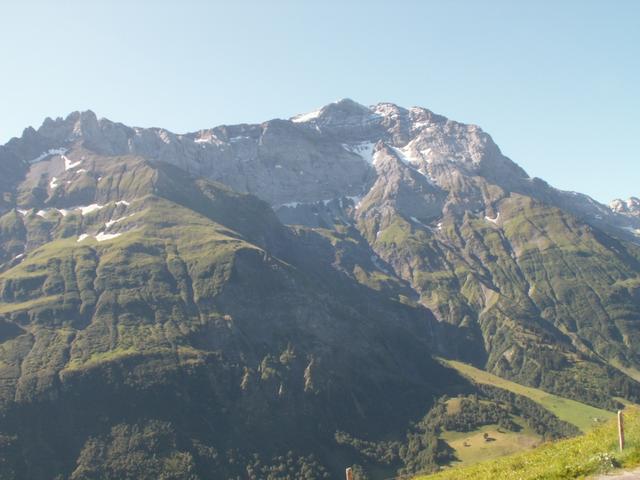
{"type": "Point", "coordinates": [82, 237]}
{"type": "Point", "coordinates": [68, 164]}
{"type": "Point", "coordinates": [53, 183]}
{"type": "Point", "coordinates": [44, 212]}
{"type": "Point", "coordinates": [164, 136]}
{"type": "Point", "coordinates": [123, 202]}
{"type": "Point", "coordinates": [415, 220]}
{"type": "Point", "coordinates": [363, 149]}
{"type": "Point", "coordinates": [493, 220]}
{"type": "Point", "coordinates": [23, 212]}
{"type": "Point", "coordinates": [306, 117]}
{"type": "Point", "coordinates": [356, 199]}
{"type": "Point", "coordinates": [90, 208]}
{"type": "Point", "coordinates": [296, 204]}
{"type": "Point", "coordinates": [48, 153]}
{"type": "Point", "coordinates": [101, 237]}
{"type": "Point", "coordinates": [113, 222]}
{"type": "Point", "coordinates": [387, 110]}
{"type": "Point", "coordinates": [426, 153]}
{"type": "Point", "coordinates": [406, 156]}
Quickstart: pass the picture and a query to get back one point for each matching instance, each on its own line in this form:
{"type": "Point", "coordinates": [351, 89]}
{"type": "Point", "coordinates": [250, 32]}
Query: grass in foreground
{"type": "Point", "coordinates": [590, 454]}
{"type": "Point", "coordinates": [579, 414]}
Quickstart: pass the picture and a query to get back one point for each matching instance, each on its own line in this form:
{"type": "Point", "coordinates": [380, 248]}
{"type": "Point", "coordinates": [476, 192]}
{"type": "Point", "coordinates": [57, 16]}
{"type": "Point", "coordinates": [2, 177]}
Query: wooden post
{"type": "Point", "coordinates": [349, 473]}
{"type": "Point", "coordinates": [620, 430]}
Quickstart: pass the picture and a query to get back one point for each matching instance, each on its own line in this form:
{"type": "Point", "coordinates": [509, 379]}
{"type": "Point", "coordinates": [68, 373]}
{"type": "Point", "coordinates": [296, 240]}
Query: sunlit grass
{"type": "Point", "coordinates": [593, 453]}
{"type": "Point", "coordinates": [576, 413]}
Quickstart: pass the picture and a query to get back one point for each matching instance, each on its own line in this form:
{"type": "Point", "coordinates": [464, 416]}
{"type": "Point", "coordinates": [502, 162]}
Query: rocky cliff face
{"type": "Point", "coordinates": [319, 156]}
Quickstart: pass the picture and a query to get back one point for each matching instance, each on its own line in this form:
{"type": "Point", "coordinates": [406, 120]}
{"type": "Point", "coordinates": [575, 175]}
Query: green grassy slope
{"type": "Point", "coordinates": [552, 301]}
{"type": "Point", "coordinates": [593, 453]}
{"type": "Point", "coordinates": [576, 413]}
{"type": "Point", "coordinates": [471, 447]}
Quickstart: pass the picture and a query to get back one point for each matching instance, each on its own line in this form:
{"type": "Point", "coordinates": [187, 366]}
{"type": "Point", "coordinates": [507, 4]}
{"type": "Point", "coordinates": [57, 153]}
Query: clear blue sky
{"type": "Point", "coordinates": [554, 82]}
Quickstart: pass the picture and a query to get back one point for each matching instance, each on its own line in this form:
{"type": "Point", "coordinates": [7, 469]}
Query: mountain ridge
{"type": "Point", "coordinates": [112, 137]}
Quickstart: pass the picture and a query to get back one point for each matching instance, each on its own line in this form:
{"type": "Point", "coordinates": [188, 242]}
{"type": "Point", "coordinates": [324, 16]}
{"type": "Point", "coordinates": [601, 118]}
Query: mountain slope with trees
{"type": "Point", "coordinates": [266, 300]}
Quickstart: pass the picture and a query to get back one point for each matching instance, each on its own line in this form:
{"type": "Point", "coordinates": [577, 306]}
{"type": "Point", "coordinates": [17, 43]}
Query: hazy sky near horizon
{"type": "Point", "coordinates": [556, 83]}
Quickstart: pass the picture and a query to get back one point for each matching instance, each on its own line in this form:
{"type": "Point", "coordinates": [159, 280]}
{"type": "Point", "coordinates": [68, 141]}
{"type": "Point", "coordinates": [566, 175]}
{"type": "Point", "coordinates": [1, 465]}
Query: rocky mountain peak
{"type": "Point", "coordinates": [631, 206]}
{"type": "Point", "coordinates": [73, 126]}
{"type": "Point", "coordinates": [344, 119]}
{"type": "Point", "coordinates": [333, 112]}
{"type": "Point", "coordinates": [318, 156]}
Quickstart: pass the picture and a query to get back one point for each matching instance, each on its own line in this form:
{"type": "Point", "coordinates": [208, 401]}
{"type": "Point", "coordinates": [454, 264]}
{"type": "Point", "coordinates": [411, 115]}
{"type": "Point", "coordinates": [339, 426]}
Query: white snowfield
{"type": "Point", "coordinates": [89, 208]}
{"type": "Point", "coordinates": [305, 117]}
{"type": "Point", "coordinates": [101, 237]}
{"type": "Point", "coordinates": [422, 224]}
{"type": "Point", "coordinates": [84, 209]}
{"type": "Point", "coordinates": [493, 220]}
{"type": "Point", "coordinates": [356, 199]}
{"type": "Point", "coordinates": [49, 153]}
{"type": "Point", "coordinates": [363, 149]}
{"type": "Point", "coordinates": [117, 220]}
{"type": "Point", "coordinates": [414, 160]}
{"type": "Point", "coordinates": [68, 164]}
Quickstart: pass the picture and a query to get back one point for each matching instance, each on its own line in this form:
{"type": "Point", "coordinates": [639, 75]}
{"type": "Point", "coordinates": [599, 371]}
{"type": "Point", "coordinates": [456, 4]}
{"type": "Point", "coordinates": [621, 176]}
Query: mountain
{"type": "Point", "coordinates": [265, 300]}
{"type": "Point", "coordinates": [169, 293]}
{"type": "Point", "coordinates": [629, 207]}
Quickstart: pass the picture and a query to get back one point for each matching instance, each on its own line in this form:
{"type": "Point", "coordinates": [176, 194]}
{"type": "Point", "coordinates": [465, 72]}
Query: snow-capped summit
{"type": "Point", "coordinates": [342, 108]}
